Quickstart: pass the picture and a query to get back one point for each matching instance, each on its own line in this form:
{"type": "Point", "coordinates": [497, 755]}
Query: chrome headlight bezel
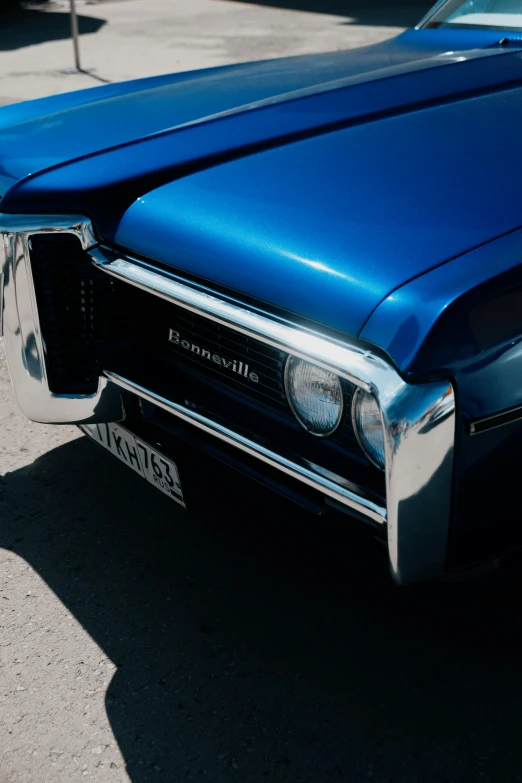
{"type": "Point", "coordinates": [298, 417]}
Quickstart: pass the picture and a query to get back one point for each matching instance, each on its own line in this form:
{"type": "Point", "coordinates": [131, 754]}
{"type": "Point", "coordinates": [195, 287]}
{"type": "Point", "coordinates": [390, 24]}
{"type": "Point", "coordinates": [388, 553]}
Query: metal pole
{"type": "Point", "coordinates": [74, 33]}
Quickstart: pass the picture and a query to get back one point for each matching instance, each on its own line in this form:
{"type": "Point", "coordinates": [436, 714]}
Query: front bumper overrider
{"type": "Point", "coordinates": [418, 419]}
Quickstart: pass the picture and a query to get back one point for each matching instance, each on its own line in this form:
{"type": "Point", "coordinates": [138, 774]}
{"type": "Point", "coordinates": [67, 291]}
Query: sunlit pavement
{"type": "Point", "coordinates": [126, 39]}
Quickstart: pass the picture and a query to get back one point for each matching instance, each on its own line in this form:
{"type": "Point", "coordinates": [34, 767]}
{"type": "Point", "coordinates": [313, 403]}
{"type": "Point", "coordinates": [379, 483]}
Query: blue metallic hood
{"type": "Point", "coordinates": [329, 226]}
{"type": "Point", "coordinates": [36, 135]}
{"type": "Point", "coordinates": [40, 134]}
{"type": "Point", "coordinates": [320, 201]}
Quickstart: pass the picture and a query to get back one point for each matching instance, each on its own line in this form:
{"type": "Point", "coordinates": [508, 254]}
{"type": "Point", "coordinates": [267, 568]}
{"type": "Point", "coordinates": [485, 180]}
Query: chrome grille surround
{"type": "Point", "coordinates": [24, 347]}
{"type": "Point", "coordinates": [419, 419]}
{"type": "Point", "coordinates": [248, 368]}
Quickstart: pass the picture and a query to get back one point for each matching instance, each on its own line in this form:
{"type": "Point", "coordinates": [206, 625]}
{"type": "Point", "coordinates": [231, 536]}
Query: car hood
{"type": "Point", "coordinates": [320, 201]}
{"type": "Point", "coordinates": [328, 227]}
{"type": "Point", "coordinates": [40, 134]}
{"type": "Point", "coordinates": [36, 135]}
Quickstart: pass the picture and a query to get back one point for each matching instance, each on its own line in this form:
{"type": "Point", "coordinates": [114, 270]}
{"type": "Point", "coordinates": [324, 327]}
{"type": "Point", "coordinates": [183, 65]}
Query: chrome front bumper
{"type": "Point", "coordinates": [419, 420]}
{"type": "Point", "coordinates": [24, 346]}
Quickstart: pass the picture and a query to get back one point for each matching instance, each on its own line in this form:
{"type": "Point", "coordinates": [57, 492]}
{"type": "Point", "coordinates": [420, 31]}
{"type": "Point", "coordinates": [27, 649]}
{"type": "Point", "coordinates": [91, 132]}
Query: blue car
{"type": "Point", "coordinates": [304, 272]}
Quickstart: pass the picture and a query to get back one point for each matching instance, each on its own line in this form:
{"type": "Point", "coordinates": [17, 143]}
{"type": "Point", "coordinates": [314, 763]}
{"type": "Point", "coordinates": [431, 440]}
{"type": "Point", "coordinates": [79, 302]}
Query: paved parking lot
{"type": "Point", "coordinates": [138, 643]}
{"type": "Point", "coordinates": [126, 39]}
{"type": "Point", "coordinates": [141, 644]}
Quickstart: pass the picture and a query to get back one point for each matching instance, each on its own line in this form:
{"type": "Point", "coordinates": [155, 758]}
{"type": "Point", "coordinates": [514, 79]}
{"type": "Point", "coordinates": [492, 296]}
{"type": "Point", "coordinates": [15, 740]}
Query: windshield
{"type": "Point", "coordinates": [483, 14]}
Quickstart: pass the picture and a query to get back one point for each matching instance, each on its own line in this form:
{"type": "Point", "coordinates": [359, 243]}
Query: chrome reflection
{"type": "Point", "coordinates": [24, 346]}
{"type": "Point", "coordinates": [420, 434]}
{"type": "Point", "coordinates": [356, 364]}
{"type": "Point", "coordinates": [327, 483]}
{"type": "Point", "coordinates": [419, 420]}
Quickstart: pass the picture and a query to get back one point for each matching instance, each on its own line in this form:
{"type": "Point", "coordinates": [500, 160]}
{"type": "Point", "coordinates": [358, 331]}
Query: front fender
{"type": "Point", "coordinates": [463, 321]}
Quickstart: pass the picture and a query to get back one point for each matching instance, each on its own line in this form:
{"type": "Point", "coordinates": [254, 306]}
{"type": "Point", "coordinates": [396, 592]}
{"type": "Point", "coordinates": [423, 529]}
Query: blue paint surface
{"type": "Point", "coordinates": [328, 227]}
{"type": "Point", "coordinates": [37, 134]}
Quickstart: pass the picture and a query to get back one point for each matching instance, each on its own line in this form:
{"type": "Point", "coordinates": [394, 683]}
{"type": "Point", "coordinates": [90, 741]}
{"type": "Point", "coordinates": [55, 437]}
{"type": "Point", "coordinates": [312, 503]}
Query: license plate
{"type": "Point", "coordinates": [138, 455]}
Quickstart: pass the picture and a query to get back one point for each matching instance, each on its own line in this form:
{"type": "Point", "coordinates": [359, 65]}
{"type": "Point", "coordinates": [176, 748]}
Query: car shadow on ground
{"type": "Point", "coordinates": [378, 13]}
{"type": "Point", "coordinates": [20, 27]}
{"type": "Point", "coordinates": [252, 646]}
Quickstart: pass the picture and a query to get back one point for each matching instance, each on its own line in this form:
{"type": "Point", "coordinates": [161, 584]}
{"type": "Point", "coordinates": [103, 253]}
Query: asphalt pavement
{"type": "Point", "coordinates": [141, 643]}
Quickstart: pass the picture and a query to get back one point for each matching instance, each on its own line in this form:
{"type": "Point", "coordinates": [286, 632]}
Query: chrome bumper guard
{"type": "Point", "coordinates": [419, 420]}
{"type": "Point", "coordinates": [24, 346]}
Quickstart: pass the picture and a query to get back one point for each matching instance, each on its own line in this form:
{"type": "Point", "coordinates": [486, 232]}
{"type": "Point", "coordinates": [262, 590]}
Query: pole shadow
{"type": "Point", "coordinates": [21, 27]}
{"type": "Point", "coordinates": [264, 645]}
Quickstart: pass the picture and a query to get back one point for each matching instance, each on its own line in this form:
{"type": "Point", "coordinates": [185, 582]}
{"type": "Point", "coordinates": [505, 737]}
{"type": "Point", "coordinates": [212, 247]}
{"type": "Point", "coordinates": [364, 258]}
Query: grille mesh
{"type": "Point", "coordinates": [200, 339]}
{"type": "Point", "coordinates": [77, 307]}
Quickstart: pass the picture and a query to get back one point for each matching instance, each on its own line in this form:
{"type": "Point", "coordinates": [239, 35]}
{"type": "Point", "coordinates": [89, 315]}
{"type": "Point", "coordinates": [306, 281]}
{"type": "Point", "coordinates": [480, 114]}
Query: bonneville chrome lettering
{"type": "Point", "coordinates": [234, 365]}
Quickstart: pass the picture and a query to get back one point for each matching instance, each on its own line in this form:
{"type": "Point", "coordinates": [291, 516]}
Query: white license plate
{"type": "Point", "coordinates": [142, 458]}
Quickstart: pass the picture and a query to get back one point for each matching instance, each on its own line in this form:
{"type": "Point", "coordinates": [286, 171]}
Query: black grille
{"type": "Point", "coordinates": [76, 306]}
{"type": "Point", "coordinates": [198, 340]}
{"type": "Point", "coordinates": [212, 350]}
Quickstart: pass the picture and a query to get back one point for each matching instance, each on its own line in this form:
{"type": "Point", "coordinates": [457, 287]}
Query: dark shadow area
{"type": "Point", "coordinates": [261, 647]}
{"type": "Point", "coordinates": [378, 13]}
{"type": "Point", "coordinates": [21, 27]}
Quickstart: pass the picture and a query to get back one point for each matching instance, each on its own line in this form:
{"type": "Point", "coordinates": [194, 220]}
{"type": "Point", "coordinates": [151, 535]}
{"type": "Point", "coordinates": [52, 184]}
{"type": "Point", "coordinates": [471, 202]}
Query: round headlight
{"type": "Point", "coordinates": [315, 396]}
{"type": "Point", "coordinates": [367, 423]}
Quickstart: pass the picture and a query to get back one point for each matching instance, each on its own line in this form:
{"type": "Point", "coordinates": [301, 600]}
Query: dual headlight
{"type": "Point", "coordinates": [316, 398]}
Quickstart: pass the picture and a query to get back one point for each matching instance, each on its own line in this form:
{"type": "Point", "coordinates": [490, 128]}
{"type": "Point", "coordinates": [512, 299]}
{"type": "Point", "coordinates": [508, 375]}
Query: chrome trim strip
{"type": "Point", "coordinates": [419, 420]}
{"type": "Point", "coordinates": [433, 10]}
{"type": "Point", "coordinates": [23, 341]}
{"type": "Point", "coordinates": [302, 472]}
{"type": "Point", "coordinates": [357, 365]}
{"type": "Point", "coordinates": [496, 420]}
{"type": "Point", "coordinates": [49, 224]}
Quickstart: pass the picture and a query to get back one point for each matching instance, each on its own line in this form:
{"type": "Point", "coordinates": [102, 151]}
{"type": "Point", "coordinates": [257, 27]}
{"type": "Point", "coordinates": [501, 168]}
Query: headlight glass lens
{"type": "Point", "coordinates": [367, 423]}
{"type": "Point", "coordinates": [315, 396]}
